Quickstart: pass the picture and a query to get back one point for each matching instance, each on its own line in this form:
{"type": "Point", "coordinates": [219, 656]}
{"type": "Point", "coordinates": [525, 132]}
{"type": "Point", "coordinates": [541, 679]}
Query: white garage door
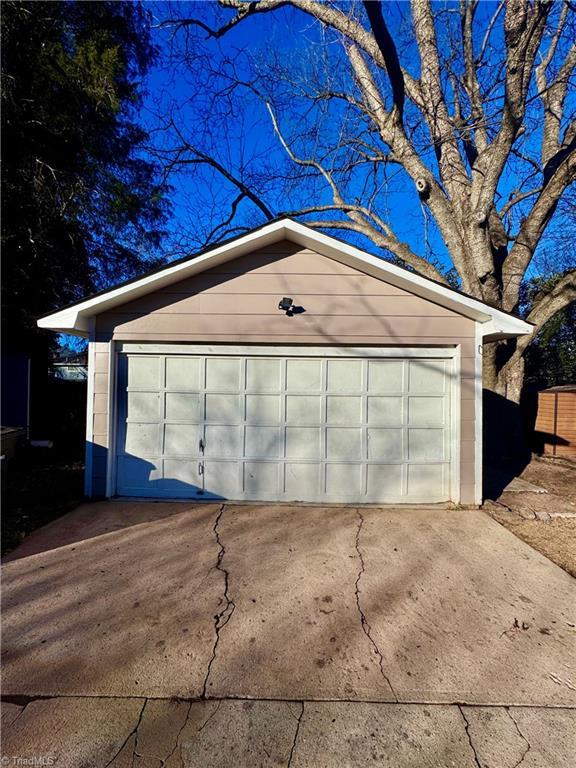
{"type": "Point", "coordinates": [284, 428]}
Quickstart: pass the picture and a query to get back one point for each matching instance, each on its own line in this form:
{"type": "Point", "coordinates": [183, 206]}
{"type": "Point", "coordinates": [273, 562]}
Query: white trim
{"type": "Point", "coordinates": [498, 324]}
{"type": "Point", "coordinates": [276, 350]}
{"type": "Point", "coordinates": [89, 448]}
{"type": "Point", "coordinates": [478, 418]}
{"type": "Point", "coordinates": [111, 456]}
{"type": "Point", "coordinates": [455, 426]}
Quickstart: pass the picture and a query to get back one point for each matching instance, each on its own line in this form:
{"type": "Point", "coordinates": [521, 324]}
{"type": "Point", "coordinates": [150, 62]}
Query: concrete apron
{"type": "Point", "coordinates": [273, 602]}
{"type": "Point", "coordinates": [129, 732]}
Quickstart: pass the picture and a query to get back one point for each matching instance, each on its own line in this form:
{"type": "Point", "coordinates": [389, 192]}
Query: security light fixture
{"type": "Point", "coordinates": [285, 304]}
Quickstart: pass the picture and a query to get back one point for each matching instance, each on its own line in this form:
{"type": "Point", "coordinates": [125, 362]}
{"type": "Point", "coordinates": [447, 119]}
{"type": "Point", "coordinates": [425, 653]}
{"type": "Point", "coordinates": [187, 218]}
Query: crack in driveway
{"type": "Point", "coordinates": [469, 735]}
{"type": "Point", "coordinates": [296, 733]}
{"type": "Point", "coordinates": [177, 741]}
{"type": "Point", "coordinates": [133, 732]}
{"type": "Point", "coordinates": [223, 617]}
{"type": "Point", "coordinates": [528, 745]}
{"type": "Point", "coordinates": [366, 628]}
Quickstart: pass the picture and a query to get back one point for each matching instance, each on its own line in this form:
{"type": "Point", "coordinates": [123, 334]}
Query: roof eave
{"type": "Point", "coordinates": [502, 326]}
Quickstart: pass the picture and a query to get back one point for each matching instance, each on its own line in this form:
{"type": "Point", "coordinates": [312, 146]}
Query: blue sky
{"type": "Point", "coordinates": [239, 132]}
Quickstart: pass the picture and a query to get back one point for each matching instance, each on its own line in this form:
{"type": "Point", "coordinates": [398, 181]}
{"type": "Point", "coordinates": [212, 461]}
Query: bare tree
{"type": "Point", "coordinates": [478, 120]}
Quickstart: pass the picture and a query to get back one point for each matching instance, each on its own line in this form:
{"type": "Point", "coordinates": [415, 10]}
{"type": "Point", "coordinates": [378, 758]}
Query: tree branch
{"type": "Point", "coordinates": [359, 216]}
{"type": "Point", "coordinates": [549, 303]}
{"type": "Point", "coordinates": [392, 133]}
{"type": "Point", "coordinates": [323, 12]}
{"type": "Point", "coordinates": [434, 109]}
{"type": "Point", "coordinates": [523, 26]}
{"type": "Point", "coordinates": [202, 158]}
{"type": "Point", "coordinates": [389, 53]}
{"type": "Point", "coordinates": [471, 84]}
{"type": "Point", "coordinates": [535, 223]}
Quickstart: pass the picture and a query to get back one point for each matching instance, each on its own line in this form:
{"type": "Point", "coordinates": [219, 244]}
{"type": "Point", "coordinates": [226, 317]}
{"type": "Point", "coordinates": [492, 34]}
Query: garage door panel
{"type": "Point", "coordinates": [223, 374]}
{"type": "Point", "coordinates": [143, 405]}
{"type": "Point", "coordinates": [221, 479]}
{"type": "Point", "coordinates": [426, 444]}
{"type": "Point", "coordinates": [264, 442]}
{"type": "Point", "coordinates": [182, 475]}
{"type": "Point", "coordinates": [261, 479]}
{"type": "Point", "coordinates": [385, 376]}
{"type": "Point", "coordinates": [385, 410]}
{"type": "Point", "coordinates": [303, 409]}
{"type": "Point", "coordinates": [223, 409]}
{"type": "Point", "coordinates": [427, 376]}
{"type": "Point", "coordinates": [263, 409]}
{"type": "Point", "coordinates": [342, 409]}
{"type": "Point", "coordinates": [343, 443]}
{"type": "Point", "coordinates": [137, 475]}
{"type": "Point", "coordinates": [302, 480]}
{"type": "Point", "coordinates": [303, 442]}
{"type": "Point", "coordinates": [222, 441]}
{"type": "Point", "coordinates": [184, 406]}
{"type": "Point", "coordinates": [426, 411]}
{"type": "Point", "coordinates": [385, 445]}
{"type": "Point", "coordinates": [181, 439]}
{"type": "Point", "coordinates": [142, 439]}
{"type": "Point", "coordinates": [263, 375]}
{"type": "Point", "coordinates": [426, 482]}
{"type": "Point", "coordinates": [384, 482]}
{"type": "Point", "coordinates": [144, 372]}
{"type": "Point", "coordinates": [345, 375]}
{"type": "Point", "coordinates": [183, 373]}
{"type": "Point", "coordinates": [304, 376]}
{"type": "Point", "coordinates": [344, 480]}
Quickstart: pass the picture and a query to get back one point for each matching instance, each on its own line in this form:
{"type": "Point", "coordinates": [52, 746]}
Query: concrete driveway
{"type": "Point", "coordinates": [291, 635]}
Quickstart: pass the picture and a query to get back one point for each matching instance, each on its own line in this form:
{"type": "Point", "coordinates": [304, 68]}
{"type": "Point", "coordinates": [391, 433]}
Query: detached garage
{"type": "Point", "coordinates": [285, 365]}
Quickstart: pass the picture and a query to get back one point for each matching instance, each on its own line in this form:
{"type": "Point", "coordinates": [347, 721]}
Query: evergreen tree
{"type": "Point", "coordinates": [81, 204]}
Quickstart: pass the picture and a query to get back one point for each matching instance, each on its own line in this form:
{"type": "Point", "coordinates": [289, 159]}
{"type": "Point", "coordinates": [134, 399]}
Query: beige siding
{"type": "Point", "coordinates": [238, 303]}
{"type": "Point", "coordinates": [239, 300]}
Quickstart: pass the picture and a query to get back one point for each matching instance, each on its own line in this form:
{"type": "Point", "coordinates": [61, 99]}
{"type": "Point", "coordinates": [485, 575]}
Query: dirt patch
{"type": "Point", "coordinates": [554, 538]}
{"type": "Point", "coordinates": [545, 521]}
{"type": "Point", "coordinates": [556, 475]}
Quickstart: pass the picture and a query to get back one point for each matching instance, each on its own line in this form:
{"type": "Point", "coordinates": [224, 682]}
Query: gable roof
{"type": "Point", "coordinates": [494, 323]}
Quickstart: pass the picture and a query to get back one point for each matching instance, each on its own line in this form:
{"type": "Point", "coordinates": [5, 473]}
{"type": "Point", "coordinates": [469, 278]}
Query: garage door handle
{"type": "Point", "coordinates": [201, 445]}
{"type": "Point", "coordinates": [200, 467]}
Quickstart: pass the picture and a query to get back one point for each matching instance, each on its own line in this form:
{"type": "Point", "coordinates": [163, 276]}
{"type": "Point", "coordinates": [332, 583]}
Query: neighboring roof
{"type": "Point", "coordinates": [495, 323]}
{"type": "Point", "coordinates": [561, 388]}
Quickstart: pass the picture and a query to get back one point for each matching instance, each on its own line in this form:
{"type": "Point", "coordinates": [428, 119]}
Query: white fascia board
{"type": "Point", "coordinates": [503, 326]}
{"type": "Point", "coordinates": [75, 320]}
{"type": "Point", "coordinates": [67, 321]}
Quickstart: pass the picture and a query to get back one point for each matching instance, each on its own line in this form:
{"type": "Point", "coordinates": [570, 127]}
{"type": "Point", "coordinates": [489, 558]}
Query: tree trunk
{"type": "Point", "coordinates": [503, 373]}
{"type": "Point", "coordinates": [506, 444]}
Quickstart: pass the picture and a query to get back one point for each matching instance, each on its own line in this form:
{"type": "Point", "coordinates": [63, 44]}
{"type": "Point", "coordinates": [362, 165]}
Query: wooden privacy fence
{"type": "Point", "coordinates": [555, 428]}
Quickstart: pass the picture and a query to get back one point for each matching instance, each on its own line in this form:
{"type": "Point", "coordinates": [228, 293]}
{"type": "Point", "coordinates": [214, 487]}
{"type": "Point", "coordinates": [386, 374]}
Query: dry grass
{"type": "Point", "coordinates": [555, 538]}
{"type": "Point", "coordinates": [556, 475]}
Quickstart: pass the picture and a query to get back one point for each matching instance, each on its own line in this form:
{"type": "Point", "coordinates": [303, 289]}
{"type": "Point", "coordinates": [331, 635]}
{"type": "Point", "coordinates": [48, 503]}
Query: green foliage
{"type": "Point", "coordinates": [550, 359]}
{"type": "Point", "coordinates": [81, 205]}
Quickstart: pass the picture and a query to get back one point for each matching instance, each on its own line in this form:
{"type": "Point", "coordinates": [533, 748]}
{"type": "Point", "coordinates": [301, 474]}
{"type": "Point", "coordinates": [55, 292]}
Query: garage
{"type": "Point", "coordinates": [285, 365]}
{"type": "Point", "coordinates": [306, 428]}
